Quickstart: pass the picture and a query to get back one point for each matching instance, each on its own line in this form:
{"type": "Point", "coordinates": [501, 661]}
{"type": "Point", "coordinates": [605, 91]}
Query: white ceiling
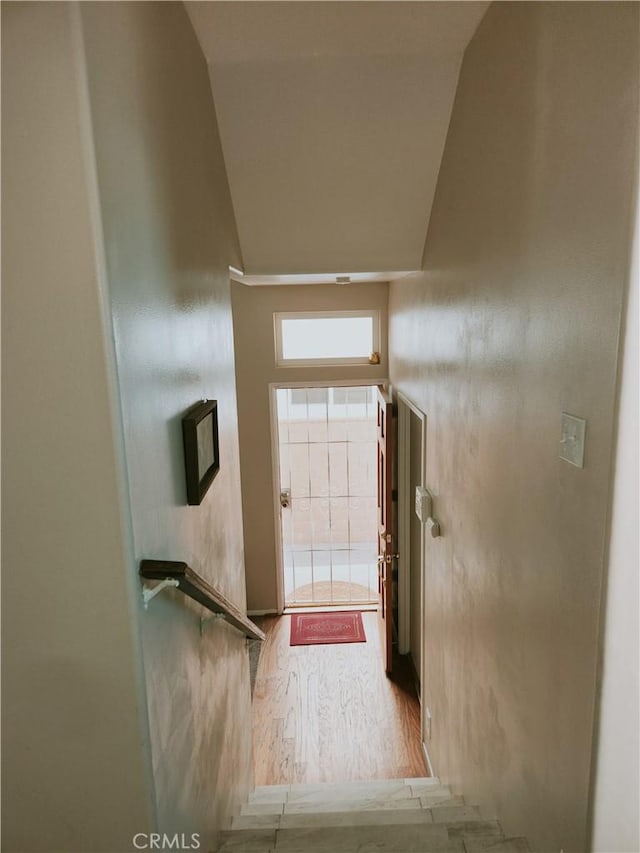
{"type": "Point", "coordinates": [333, 118]}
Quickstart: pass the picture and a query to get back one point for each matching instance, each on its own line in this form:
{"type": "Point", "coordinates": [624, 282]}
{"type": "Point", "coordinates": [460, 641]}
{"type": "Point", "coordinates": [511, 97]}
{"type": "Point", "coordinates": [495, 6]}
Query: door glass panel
{"type": "Point", "coordinates": [338, 469]}
{"type": "Point", "coordinates": [320, 525]}
{"type": "Point", "coordinates": [328, 459]}
{"type": "Point", "coordinates": [299, 470]}
{"type": "Point", "coordinates": [339, 508]}
{"type": "Point", "coordinates": [319, 470]}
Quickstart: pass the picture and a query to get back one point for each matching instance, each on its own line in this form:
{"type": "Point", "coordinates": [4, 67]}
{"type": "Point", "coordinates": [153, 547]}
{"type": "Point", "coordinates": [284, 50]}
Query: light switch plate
{"type": "Point", "coordinates": [427, 722]}
{"type": "Point", "coordinates": [423, 504]}
{"type": "Point", "coordinates": [572, 439]}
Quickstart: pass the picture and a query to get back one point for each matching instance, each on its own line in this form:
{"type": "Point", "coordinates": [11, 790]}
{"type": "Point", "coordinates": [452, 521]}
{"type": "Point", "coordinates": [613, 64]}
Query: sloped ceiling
{"type": "Point", "coordinates": [333, 118]}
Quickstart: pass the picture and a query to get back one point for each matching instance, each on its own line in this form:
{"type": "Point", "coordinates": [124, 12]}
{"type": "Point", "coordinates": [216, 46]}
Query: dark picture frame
{"type": "Point", "coordinates": [201, 451]}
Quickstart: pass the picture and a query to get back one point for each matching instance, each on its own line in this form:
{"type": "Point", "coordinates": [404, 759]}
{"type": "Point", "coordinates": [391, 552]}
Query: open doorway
{"type": "Point", "coordinates": [332, 712]}
{"type": "Point", "coordinates": [327, 464]}
{"type": "Point", "coordinates": [412, 475]}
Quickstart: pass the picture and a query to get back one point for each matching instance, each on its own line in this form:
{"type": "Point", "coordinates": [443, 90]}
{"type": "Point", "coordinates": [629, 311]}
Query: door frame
{"type": "Point", "coordinates": [387, 521]}
{"type": "Point", "coordinates": [275, 458]}
{"type": "Point", "coordinates": [405, 508]}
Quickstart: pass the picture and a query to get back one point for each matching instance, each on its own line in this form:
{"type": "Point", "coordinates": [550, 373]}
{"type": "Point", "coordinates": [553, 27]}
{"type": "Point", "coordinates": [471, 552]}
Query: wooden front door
{"type": "Point", "coordinates": [386, 533]}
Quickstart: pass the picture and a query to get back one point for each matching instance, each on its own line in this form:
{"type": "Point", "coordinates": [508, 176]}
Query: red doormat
{"type": "Point", "coordinates": [320, 628]}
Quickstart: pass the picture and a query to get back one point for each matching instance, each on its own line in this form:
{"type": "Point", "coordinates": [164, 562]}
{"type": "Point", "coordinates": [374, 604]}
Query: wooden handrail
{"type": "Point", "coordinates": [197, 588]}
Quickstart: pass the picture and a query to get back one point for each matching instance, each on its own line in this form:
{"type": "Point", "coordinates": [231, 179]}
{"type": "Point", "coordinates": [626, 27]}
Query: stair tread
{"type": "Point", "coordinates": [470, 827]}
{"type": "Point", "coordinates": [415, 838]}
{"type": "Point", "coordinates": [351, 794]}
{"type": "Point", "coordinates": [261, 808]}
{"type": "Point", "coordinates": [354, 783]}
{"type": "Point", "coordinates": [370, 804]}
{"type": "Point", "coordinates": [256, 821]}
{"type": "Point", "coordinates": [347, 804]}
{"type": "Point", "coordinates": [410, 815]}
{"type": "Point", "coordinates": [453, 814]}
{"type": "Point", "coordinates": [428, 790]}
{"type": "Point", "coordinates": [419, 837]}
{"type": "Point", "coordinates": [271, 792]}
{"type": "Point", "coordinates": [344, 817]}
{"type": "Point", "coordinates": [246, 841]}
{"type": "Point", "coordinates": [497, 845]}
{"type": "Point", "coordinates": [441, 800]}
{"type": "Point", "coordinates": [332, 806]}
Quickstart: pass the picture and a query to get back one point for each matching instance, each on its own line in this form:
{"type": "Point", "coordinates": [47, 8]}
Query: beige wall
{"type": "Point", "coordinates": [169, 237]}
{"type": "Point", "coordinates": [75, 752]}
{"type": "Point", "coordinates": [514, 320]}
{"type": "Point", "coordinates": [617, 789]}
{"type": "Point", "coordinates": [253, 309]}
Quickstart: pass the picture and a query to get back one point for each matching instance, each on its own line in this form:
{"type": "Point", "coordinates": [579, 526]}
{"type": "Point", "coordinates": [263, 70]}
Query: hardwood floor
{"type": "Point", "coordinates": [328, 713]}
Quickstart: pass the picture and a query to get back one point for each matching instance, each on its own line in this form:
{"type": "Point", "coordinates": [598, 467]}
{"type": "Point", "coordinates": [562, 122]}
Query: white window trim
{"type": "Point", "coordinates": [279, 316]}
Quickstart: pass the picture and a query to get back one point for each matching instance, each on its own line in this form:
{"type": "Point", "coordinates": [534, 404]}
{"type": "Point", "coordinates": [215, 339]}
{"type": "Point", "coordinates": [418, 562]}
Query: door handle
{"type": "Point", "coordinates": [285, 498]}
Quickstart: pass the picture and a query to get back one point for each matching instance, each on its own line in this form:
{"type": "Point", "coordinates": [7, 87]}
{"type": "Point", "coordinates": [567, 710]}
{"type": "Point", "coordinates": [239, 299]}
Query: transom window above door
{"type": "Point", "coordinates": [327, 337]}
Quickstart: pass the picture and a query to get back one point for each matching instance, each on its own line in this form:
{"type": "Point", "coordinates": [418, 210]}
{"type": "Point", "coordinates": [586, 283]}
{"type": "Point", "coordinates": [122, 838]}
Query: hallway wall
{"type": "Point", "coordinates": [617, 783]}
{"type": "Point", "coordinates": [169, 236]}
{"type": "Point", "coordinates": [253, 309]}
{"type": "Point", "coordinates": [76, 766]}
{"type": "Point", "coordinates": [514, 319]}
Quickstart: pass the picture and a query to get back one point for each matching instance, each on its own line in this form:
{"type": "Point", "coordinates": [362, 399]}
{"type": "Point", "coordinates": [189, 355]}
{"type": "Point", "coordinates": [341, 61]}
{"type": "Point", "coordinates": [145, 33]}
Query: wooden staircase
{"type": "Point", "coordinates": [394, 815]}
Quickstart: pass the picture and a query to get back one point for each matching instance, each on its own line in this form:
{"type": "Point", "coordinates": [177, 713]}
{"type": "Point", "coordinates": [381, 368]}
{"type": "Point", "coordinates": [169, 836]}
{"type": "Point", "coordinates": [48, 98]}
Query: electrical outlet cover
{"type": "Point", "coordinates": [572, 437]}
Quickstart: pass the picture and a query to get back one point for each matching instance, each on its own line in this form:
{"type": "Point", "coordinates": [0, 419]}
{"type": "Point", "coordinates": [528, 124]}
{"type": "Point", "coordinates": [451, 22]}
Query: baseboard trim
{"type": "Point", "coordinates": [427, 758]}
{"type": "Point", "coordinates": [414, 673]}
{"type": "Point", "coordinates": [262, 612]}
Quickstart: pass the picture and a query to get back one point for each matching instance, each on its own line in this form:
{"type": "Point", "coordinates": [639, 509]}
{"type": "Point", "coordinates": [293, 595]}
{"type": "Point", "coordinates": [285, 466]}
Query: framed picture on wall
{"type": "Point", "coordinates": [201, 454]}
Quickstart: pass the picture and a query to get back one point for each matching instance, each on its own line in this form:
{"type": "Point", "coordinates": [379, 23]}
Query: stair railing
{"type": "Point", "coordinates": [182, 576]}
